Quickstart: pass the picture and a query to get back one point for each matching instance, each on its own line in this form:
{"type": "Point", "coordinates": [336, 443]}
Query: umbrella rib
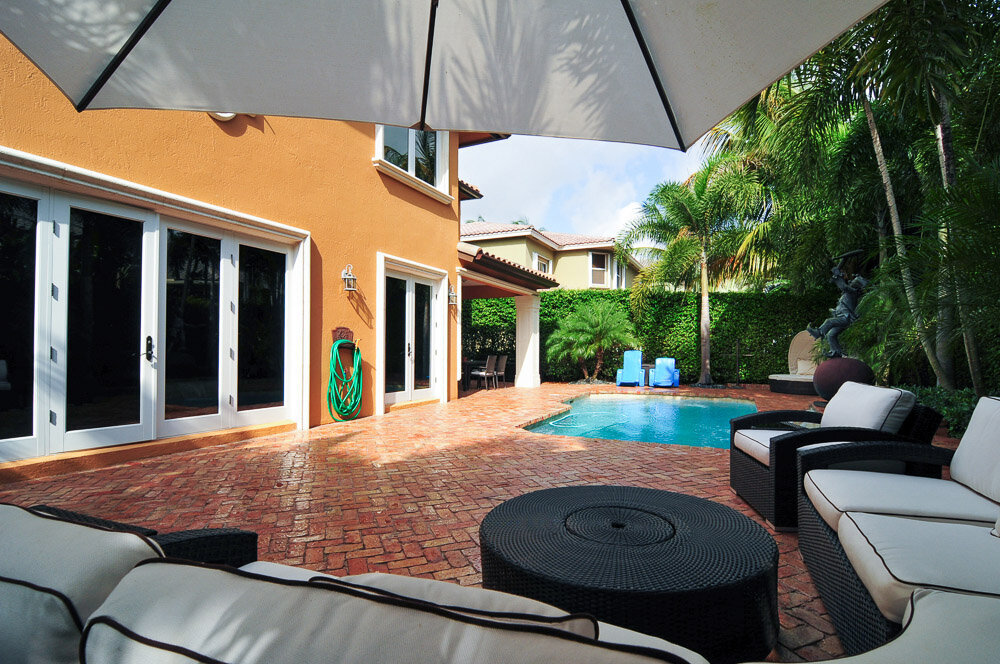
{"type": "Point", "coordinates": [641, 41]}
{"type": "Point", "coordinates": [427, 64]}
{"type": "Point", "coordinates": [112, 67]}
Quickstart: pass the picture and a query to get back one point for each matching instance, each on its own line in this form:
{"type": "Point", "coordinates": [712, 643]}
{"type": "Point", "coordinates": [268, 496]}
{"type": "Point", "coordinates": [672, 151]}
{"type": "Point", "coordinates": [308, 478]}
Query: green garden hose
{"type": "Point", "coordinates": [343, 393]}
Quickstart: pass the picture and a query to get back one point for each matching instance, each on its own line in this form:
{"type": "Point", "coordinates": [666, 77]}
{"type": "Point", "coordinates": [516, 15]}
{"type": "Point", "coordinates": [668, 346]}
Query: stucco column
{"type": "Point", "coordinates": [528, 341]}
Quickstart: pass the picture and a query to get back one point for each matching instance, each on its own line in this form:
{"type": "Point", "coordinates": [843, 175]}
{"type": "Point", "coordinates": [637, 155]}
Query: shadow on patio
{"type": "Point", "coordinates": [405, 493]}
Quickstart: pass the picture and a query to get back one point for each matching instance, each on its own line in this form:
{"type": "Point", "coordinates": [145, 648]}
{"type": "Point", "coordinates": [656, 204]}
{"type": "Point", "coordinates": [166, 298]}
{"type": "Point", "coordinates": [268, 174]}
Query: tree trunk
{"type": "Point", "coordinates": [583, 365]}
{"type": "Point", "coordinates": [897, 232]}
{"type": "Point", "coordinates": [706, 350]}
{"type": "Point", "coordinates": [946, 157]}
{"type": "Point", "coordinates": [600, 363]}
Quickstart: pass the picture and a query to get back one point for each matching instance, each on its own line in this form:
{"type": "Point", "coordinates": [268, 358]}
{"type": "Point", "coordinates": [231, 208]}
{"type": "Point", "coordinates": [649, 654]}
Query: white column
{"type": "Point", "coordinates": [528, 341]}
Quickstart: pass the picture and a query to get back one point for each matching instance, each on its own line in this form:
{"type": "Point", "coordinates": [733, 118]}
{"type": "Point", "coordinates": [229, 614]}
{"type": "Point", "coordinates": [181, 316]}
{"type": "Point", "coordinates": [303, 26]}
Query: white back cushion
{"type": "Point", "coordinates": [53, 574]}
{"type": "Point", "coordinates": [868, 407]}
{"type": "Point", "coordinates": [977, 460]}
{"type": "Point", "coordinates": [172, 612]}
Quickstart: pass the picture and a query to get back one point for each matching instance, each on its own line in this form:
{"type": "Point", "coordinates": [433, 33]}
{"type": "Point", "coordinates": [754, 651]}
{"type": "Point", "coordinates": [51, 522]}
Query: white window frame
{"type": "Point", "coordinates": [606, 268]}
{"type": "Point", "coordinates": [387, 263]}
{"type": "Point", "coordinates": [621, 274]}
{"type": "Point", "coordinates": [70, 187]}
{"type": "Point", "coordinates": [537, 259]}
{"type": "Point", "coordinates": [439, 191]}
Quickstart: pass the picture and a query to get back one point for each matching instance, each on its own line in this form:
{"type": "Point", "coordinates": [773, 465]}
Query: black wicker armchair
{"type": "Point", "coordinates": [772, 488]}
{"type": "Point", "coordinates": [220, 546]}
{"type": "Point", "coordinates": [860, 625]}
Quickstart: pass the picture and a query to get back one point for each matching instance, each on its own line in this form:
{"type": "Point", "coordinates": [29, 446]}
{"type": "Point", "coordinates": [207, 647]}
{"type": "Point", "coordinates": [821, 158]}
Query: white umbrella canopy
{"type": "Point", "coordinates": [655, 72]}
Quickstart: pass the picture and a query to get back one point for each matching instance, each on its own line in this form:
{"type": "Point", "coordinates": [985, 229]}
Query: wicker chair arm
{"type": "Point", "coordinates": [884, 450]}
{"type": "Point", "coordinates": [219, 546]}
{"type": "Point", "coordinates": [770, 419]}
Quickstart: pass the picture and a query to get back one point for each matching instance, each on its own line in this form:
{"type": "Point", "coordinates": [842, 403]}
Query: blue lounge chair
{"type": "Point", "coordinates": [631, 372]}
{"type": "Point", "coordinates": [665, 373]}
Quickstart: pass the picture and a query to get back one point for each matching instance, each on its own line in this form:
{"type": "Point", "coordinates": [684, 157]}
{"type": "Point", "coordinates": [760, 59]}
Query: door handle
{"type": "Point", "coordinates": [409, 351]}
{"type": "Point", "coordinates": [149, 350]}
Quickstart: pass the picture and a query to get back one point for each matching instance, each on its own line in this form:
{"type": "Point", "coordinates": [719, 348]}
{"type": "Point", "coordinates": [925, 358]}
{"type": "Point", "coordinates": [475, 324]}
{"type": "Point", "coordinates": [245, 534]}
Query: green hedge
{"type": "Point", "coordinates": [763, 323]}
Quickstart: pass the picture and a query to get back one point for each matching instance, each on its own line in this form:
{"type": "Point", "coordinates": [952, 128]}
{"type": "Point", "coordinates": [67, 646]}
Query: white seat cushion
{"type": "Point", "coordinates": [214, 614]}
{"type": "Point", "coordinates": [757, 442]}
{"type": "Point", "coordinates": [53, 574]}
{"type": "Point", "coordinates": [833, 492]}
{"type": "Point", "coordinates": [977, 459]}
{"type": "Point", "coordinates": [942, 627]}
{"type": "Point", "coordinates": [893, 556]}
{"type": "Point", "coordinates": [868, 407]}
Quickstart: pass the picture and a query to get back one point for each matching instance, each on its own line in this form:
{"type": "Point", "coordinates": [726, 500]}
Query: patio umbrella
{"type": "Point", "coordinates": [656, 72]}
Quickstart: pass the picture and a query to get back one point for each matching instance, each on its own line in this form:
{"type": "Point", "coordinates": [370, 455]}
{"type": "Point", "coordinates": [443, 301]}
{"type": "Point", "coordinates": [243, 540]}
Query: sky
{"type": "Point", "coordinates": [567, 185]}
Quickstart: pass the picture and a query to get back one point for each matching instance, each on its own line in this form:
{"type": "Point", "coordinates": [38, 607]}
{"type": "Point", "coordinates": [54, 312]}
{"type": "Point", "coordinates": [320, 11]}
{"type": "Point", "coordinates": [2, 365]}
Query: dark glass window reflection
{"type": "Point", "coordinates": [261, 377]}
{"type": "Point", "coordinates": [422, 337]}
{"type": "Point", "coordinates": [105, 279]}
{"type": "Point", "coordinates": [17, 302]}
{"type": "Point", "coordinates": [395, 335]}
{"type": "Point", "coordinates": [192, 326]}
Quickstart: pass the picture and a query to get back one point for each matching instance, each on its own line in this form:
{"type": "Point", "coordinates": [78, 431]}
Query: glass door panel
{"type": "Point", "coordinates": [261, 335]}
{"type": "Point", "coordinates": [18, 218]}
{"type": "Point", "coordinates": [191, 380]}
{"type": "Point", "coordinates": [395, 335]}
{"type": "Point", "coordinates": [421, 336]}
{"type": "Point", "coordinates": [103, 324]}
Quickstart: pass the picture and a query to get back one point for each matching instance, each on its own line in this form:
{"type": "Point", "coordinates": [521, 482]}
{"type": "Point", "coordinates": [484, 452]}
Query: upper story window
{"type": "Point", "coordinates": [542, 264]}
{"type": "Point", "coordinates": [598, 269]}
{"type": "Point", "coordinates": [421, 158]}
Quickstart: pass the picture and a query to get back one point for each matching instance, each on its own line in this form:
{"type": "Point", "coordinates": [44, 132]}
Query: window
{"type": "Point", "coordinates": [620, 274]}
{"type": "Point", "coordinates": [421, 155]}
{"type": "Point", "coordinates": [541, 264]}
{"type": "Point", "coordinates": [598, 269]}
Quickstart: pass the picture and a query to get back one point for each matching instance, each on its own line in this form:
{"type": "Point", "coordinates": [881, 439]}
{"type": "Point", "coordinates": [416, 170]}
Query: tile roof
{"type": "Point", "coordinates": [486, 227]}
{"type": "Point", "coordinates": [566, 239]}
{"type": "Point", "coordinates": [560, 239]}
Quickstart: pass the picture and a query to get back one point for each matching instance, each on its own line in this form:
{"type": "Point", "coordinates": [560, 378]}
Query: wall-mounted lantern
{"type": "Point", "coordinates": [350, 281]}
{"type": "Point", "coordinates": [452, 296]}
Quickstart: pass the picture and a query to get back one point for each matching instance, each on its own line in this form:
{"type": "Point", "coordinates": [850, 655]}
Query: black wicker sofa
{"type": "Point", "coordinates": [763, 446]}
{"type": "Point", "coordinates": [871, 539]}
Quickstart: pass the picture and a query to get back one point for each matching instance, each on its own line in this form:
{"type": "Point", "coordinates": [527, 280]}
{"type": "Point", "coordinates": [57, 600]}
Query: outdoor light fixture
{"type": "Point", "coordinates": [350, 281]}
{"type": "Point", "coordinates": [452, 296]}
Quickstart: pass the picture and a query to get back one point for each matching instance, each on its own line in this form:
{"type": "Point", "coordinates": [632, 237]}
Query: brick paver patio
{"type": "Point", "coordinates": [404, 493]}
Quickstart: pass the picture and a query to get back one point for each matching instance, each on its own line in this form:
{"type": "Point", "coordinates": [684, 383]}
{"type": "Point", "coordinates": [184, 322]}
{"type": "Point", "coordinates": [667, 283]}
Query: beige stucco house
{"type": "Point", "coordinates": [575, 261]}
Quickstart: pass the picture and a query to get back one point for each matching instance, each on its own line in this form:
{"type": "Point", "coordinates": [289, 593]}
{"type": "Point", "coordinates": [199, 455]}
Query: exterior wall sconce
{"type": "Point", "coordinates": [350, 281]}
{"type": "Point", "coordinates": [452, 296]}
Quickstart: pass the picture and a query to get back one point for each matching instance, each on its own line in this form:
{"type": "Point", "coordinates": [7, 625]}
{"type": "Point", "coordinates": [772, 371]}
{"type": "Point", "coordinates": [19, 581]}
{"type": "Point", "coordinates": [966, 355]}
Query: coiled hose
{"type": "Point", "coordinates": [343, 393]}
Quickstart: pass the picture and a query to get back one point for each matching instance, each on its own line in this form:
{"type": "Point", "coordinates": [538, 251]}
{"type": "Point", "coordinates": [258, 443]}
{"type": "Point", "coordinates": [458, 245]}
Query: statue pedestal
{"type": "Point", "coordinates": [834, 372]}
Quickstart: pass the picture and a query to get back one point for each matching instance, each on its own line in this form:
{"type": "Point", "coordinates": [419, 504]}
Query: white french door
{"type": "Point", "coordinates": [410, 372]}
{"type": "Point", "coordinates": [122, 326]}
{"type": "Point", "coordinates": [223, 313]}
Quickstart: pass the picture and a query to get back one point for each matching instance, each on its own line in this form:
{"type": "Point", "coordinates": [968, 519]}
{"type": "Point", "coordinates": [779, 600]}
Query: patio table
{"type": "Point", "coordinates": [682, 568]}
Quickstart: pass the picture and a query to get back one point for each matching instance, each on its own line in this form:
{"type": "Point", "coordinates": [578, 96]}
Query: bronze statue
{"type": "Point", "coordinates": [845, 312]}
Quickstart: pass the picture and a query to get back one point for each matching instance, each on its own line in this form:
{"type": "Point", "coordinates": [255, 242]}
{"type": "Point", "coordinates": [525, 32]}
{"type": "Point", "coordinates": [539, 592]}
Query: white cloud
{"type": "Point", "coordinates": [565, 185]}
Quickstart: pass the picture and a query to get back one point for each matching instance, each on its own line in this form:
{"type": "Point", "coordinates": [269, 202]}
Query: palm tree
{"type": "Point", "coordinates": [589, 332]}
{"type": "Point", "coordinates": [918, 52]}
{"type": "Point", "coordinates": [698, 228]}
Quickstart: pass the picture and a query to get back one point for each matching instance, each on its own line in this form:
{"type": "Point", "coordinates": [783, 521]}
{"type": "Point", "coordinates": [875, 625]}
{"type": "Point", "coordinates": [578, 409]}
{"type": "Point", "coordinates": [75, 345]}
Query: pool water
{"type": "Point", "coordinates": [651, 419]}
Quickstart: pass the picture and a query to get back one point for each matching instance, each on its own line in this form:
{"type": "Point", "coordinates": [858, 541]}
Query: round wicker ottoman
{"type": "Point", "coordinates": [682, 568]}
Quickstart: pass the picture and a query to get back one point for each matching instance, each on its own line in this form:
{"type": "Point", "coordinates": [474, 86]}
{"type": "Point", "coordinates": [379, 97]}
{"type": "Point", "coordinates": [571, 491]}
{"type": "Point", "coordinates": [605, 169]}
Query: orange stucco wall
{"type": "Point", "coordinates": [312, 174]}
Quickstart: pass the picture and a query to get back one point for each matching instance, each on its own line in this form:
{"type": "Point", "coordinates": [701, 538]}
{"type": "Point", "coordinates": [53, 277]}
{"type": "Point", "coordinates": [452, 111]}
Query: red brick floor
{"type": "Point", "coordinates": [404, 493]}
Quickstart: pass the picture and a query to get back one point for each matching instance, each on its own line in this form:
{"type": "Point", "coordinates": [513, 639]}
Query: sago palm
{"type": "Point", "coordinates": [589, 332]}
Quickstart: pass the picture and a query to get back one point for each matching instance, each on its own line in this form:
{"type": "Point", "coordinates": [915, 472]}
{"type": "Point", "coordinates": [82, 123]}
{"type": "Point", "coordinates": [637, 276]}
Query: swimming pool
{"type": "Point", "coordinates": [648, 418]}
